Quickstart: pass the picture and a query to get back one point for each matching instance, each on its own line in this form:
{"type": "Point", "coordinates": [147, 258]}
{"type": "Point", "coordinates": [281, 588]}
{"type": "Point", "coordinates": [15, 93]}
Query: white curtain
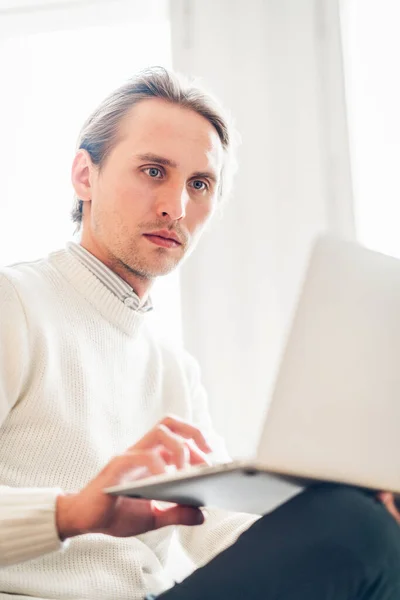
{"type": "Point", "coordinates": [277, 65]}
{"type": "Point", "coordinates": [371, 55]}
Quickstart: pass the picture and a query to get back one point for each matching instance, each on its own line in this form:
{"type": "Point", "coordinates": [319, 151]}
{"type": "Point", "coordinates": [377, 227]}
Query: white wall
{"type": "Point", "coordinates": [277, 65]}
{"type": "Point", "coordinates": [32, 16]}
{"type": "Point", "coordinates": [58, 60]}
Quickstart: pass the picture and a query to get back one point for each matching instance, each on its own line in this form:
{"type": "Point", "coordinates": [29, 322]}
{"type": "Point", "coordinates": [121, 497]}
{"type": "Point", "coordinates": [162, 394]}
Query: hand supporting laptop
{"type": "Point", "coordinates": [171, 442]}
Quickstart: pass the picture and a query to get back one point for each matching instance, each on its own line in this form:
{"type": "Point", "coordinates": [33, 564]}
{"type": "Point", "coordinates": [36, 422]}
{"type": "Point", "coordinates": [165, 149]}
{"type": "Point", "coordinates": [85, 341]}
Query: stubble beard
{"type": "Point", "coordinates": [146, 263]}
{"type": "Point", "coordinates": [148, 266]}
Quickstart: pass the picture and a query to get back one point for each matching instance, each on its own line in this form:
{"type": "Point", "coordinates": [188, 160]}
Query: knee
{"type": "Point", "coordinates": [329, 519]}
{"type": "Point", "coordinates": [328, 537]}
{"type": "Point", "coordinates": [345, 517]}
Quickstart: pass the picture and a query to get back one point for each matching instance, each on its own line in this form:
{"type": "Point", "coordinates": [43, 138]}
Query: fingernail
{"type": "Point", "coordinates": [199, 519]}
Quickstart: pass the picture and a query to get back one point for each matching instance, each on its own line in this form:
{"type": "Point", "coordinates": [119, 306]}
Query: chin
{"type": "Point", "coordinates": [164, 265]}
{"type": "Point", "coordinates": [163, 270]}
{"type": "Point", "coordinates": [151, 271]}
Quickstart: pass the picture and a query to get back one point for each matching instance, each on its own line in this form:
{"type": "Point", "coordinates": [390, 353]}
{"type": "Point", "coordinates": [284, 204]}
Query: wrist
{"type": "Point", "coordinates": [66, 514]}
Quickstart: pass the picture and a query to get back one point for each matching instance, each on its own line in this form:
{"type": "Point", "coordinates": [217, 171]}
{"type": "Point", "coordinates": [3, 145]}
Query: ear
{"type": "Point", "coordinates": [82, 174]}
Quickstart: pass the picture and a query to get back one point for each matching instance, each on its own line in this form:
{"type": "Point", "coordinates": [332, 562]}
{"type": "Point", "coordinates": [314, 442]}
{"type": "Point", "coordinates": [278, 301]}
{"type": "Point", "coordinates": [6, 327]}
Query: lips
{"type": "Point", "coordinates": [164, 238]}
{"type": "Point", "coordinates": [168, 235]}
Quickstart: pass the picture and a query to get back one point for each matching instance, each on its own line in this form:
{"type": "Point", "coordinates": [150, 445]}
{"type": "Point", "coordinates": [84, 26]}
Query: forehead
{"type": "Point", "coordinates": [180, 134]}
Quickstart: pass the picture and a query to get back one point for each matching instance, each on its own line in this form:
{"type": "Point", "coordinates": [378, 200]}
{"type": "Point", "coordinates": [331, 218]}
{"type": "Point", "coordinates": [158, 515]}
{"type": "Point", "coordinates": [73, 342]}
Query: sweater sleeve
{"type": "Point", "coordinates": [27, 516]}
{"type": "Point", "coordinates": [14, 348]}
{"type": "Point", "coordinates": [221, 528]}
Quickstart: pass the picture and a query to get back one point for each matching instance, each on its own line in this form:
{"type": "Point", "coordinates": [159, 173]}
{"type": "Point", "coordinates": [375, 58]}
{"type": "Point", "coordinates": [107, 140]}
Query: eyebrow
{"type": "Point", "coordinates": [205, 175]}
{"type": "Point", "coordinates": [167, 162]}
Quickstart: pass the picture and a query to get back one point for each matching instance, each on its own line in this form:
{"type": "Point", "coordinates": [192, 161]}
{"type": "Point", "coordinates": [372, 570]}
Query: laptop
{"type": "Point", "coordinates": [334, 415]}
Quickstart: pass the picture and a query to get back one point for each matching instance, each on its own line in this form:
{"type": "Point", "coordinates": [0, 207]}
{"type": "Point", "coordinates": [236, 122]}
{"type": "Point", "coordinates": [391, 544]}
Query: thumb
{"type": "Point", "coordinates": [177, 515]}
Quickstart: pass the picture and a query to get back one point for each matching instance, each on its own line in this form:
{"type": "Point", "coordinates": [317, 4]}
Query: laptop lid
{"type": "Point", "coordinates": [335, 411]}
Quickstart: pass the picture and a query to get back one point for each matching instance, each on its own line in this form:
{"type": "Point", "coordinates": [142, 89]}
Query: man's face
{"type": "Point", "coordinates": [155, 191]}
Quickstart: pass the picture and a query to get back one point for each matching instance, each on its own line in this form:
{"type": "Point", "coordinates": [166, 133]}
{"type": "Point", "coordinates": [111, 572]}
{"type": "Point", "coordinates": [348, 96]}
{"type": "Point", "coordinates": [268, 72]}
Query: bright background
{"type": "Point", "coordinates": [371, 49]}
{"type": "Point", "coordinates": [314, 90]}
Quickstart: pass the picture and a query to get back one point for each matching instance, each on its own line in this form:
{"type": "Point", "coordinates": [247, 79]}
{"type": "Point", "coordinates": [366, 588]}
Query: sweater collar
{"type": "Point", "coordinates": [111, 280]}
{"type": "Point", "coordinates": [88, 285]}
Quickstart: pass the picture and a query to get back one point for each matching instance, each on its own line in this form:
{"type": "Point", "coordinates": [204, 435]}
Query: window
{"type": "Point", "coordinates": [56, 65]}
{"type": "Point", "coordinates": [371, 51]}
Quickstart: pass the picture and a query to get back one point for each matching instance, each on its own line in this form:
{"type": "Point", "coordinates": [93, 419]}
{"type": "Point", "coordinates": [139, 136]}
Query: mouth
{"type": "Point", "coordinates": [165, 239]}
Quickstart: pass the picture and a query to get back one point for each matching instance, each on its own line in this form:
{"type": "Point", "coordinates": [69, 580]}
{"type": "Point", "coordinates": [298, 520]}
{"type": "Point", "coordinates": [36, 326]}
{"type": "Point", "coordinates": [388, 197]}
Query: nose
{"type": "Point", "coordinates": [172, 202]}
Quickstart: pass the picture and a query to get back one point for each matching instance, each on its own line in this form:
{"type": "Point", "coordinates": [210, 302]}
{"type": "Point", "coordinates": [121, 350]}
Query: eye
{"type": "Point", "coordinates": [153, 172]}
{"type": "Point", "coordinates": [199, 185]}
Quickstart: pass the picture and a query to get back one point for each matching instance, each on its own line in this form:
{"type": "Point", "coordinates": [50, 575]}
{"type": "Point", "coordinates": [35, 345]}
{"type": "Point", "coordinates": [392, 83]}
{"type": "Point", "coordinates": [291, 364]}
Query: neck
{"type": "Point", "coordinates": [140, 285]}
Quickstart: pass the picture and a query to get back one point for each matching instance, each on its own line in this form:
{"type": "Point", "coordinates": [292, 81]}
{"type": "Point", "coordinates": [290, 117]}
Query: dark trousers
{"type": "Point", "coordinates": [327, 543]}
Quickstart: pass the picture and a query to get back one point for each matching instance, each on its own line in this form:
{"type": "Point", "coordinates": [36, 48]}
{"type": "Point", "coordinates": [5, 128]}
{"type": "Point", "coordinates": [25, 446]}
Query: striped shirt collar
{"type": "Point", "coordinates": [111, 280]}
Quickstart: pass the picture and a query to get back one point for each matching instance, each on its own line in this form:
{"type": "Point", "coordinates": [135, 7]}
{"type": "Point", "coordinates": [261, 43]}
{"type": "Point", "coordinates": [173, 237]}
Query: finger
{"type": "Point", "coordinates": [177, 515]}
{"type": "Point", "coordinates": [197, 457]}
{"type": "Point", "coordinates": [388, 500]}
{"type": "Point", "coordinates": [384, 496]}
{"type": "Point", "coordinates": [131, 466]}
{"type": "Point", "coordinates": [194, 455]}
{"type": "Point", "coordinates": [187, 431]}
{"type": "Point", "coordinates": [174, 444]}
{"type": "Point", "coordinates": [174, 449]}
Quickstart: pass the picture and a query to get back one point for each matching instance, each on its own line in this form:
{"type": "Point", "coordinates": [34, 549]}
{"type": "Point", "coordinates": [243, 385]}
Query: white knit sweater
{"type": "Point", "coordinates": [81, 378]}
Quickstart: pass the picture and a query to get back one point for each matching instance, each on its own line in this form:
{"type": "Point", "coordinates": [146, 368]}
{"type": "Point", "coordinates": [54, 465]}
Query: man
{"type": "Point", "coordinates": [86, 390]}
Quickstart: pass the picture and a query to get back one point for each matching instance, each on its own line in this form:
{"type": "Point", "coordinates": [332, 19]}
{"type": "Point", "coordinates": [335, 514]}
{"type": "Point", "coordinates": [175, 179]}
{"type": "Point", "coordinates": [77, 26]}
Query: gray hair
{"type": "Point", "coordinates": [99, 133]}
